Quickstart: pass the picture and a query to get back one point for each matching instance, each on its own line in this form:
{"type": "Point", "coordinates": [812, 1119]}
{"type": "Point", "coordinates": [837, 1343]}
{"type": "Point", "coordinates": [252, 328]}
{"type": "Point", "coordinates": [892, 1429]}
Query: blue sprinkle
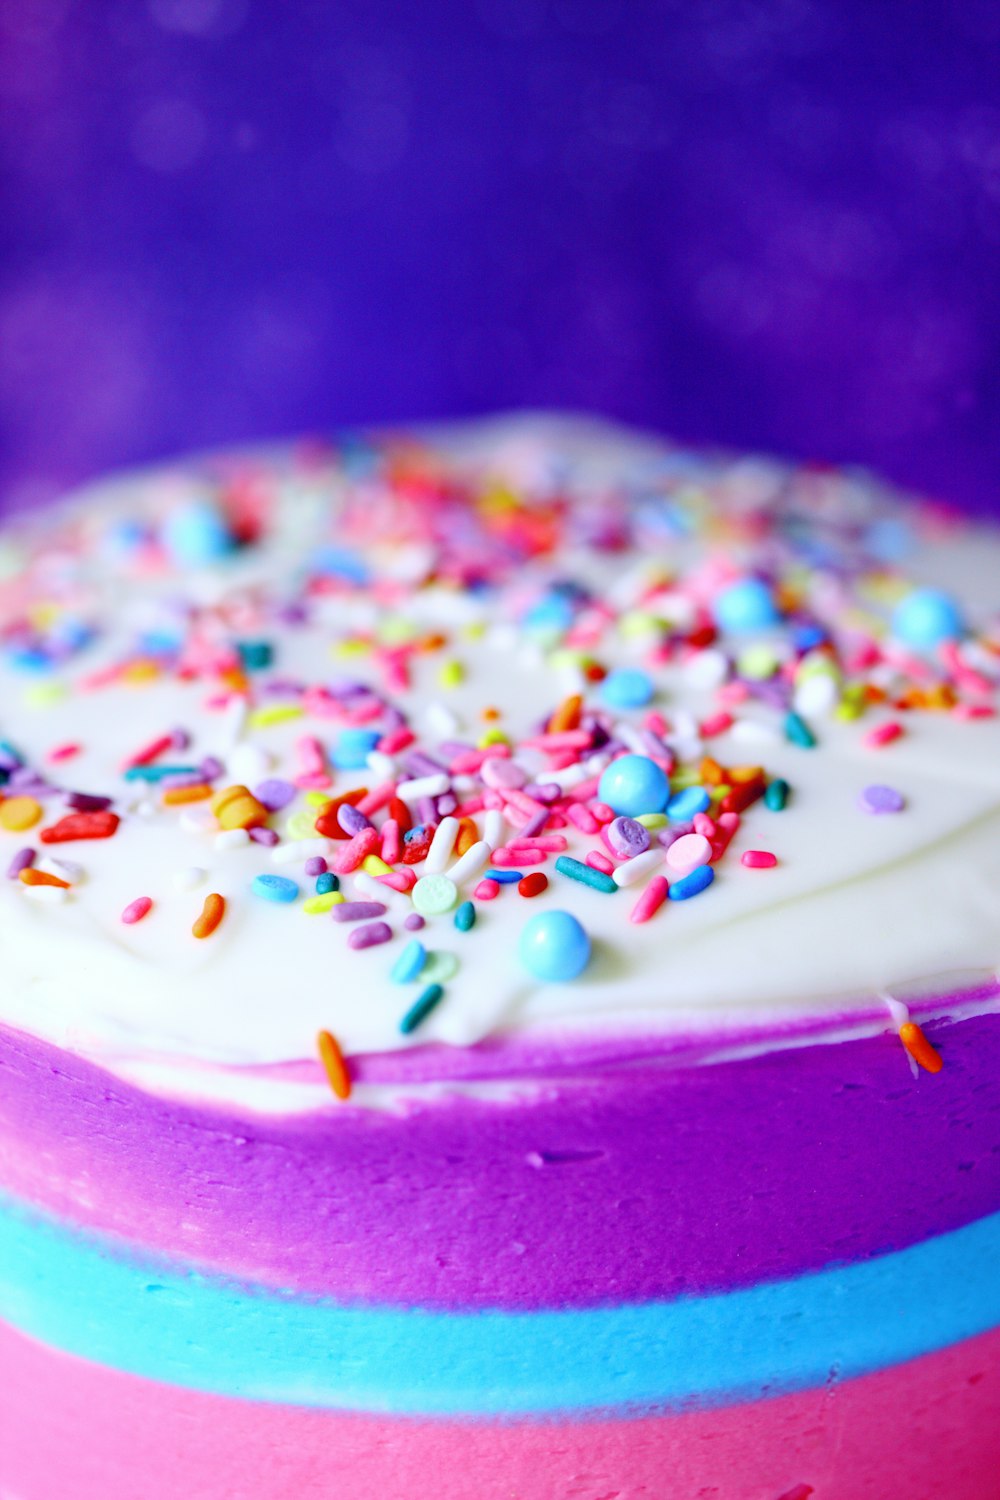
{"type": "Point", "coordinates": [551, 613]}
{"type": "Point", "coordinates": [627, 687]}
{"type": "Point", "coordinates": [504, 877]}
{"type": "Point", "coordinates": [409, 963]}
{"type": "Point", "coordinates": [421, 1008]}
{"type": "Point", "coordinates": [683, 805]}
{"type": "Point", "coordinates": [745, 606]}
{"type": "Point", "coordinates": [353, 748]}
{"type": "Point", "coordinates": [326, 883]}
{"type": "Point", "coordinates": [158, 773]}
{"type": "Point", "coordinates": [196, 534]}
{"type": "Point", "coordinates": [274, 888]}
{"type": "Point", "coordinates": [31, 659]}
{"type": "Point", "coordinates": [465, 917]}
{"type": "Point", "coordinates": [798, 731]}
{"type": "Point", "coordinates": [692, 884]}
{"type": "Point", "coordinates": [925, 618]}
{"type": "Point", "coordinates": [585, 874]}
{"type": "Point", "coordinates": [341, 562]}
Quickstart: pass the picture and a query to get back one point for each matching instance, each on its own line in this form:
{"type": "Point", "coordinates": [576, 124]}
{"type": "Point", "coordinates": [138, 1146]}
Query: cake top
{"type": "Point", "coordinates": [532, 733]}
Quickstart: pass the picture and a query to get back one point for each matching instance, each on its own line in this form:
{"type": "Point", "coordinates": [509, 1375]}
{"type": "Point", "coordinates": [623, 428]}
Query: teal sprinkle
{"type": "Point", "coordinates": [798, 731]}
{"type": "Point", "coordinates": [421, 1008]}
{"type": "Point", "coordinates": [576, 870]}
{"type": "Point", "coordinates": [409, 963]}
{"type": "Point", "coordinates": [157, 773]}
{"type": "Point", "coordinates": [776, 794]}
{"type": "Point", "coordinates": [254, 655]}
{"type": "Point", "coordinates": [465, 917]}
{"type": "Point", "coordinates": [326, 883]}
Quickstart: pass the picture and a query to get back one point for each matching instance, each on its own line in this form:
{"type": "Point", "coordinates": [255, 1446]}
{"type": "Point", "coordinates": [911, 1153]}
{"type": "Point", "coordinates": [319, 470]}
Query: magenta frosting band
{"type": "Point", "coordinates": [689, 1181]}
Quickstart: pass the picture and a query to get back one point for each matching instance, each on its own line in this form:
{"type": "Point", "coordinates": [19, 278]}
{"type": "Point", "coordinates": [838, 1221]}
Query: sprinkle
{"type": "Point", "coordinates": [421, 1008]}
{"type": "Point", "coordinates": [136, 910]}
{"type": "Point", "coordinates": [177, 796]}
{"type": "Point", "coordinates": [575, 870]}
{"type": "Point", "coordinates": [598, 861]}
{"type": "Point", "coordinates": [212, 914]}
{"type": "Point", "coordinates": [19, 813]}
{"type": "Point", "coordinates": [323, 901]}
{"type": "Point", "coordinates": [351, 819]}
{"type": "Point", "coordinates": [487, 890]}
{"type": "Point", "coordinates": [627, 687]}
{"type": "Point", "coordinates": [358, 911]}
{"type": "Point", "coordinates": [920, 1049]}
{"type": "Point", "coordinates": [30, 876]}
{"type": "Point", "coordinates": [745, 606]}
{"type": "Point", "coordinates": [334, 1065]}
{"type": "Point", "coordinates": [85, 825]}
{"type": "Point", "coordinates": [369, 936]}
{"type": "Point", "coordinates": [504, 877]}
{"type": "Point", "coordinates": [22, 860]}
{"type": "Point", "coordinates": [232, 838]}
{"type": "Point", "coordinates": [884, 734]}
{"type": "Point", "coordinates": [533, 884]}
{"type": "Point", "coordinates": [650, 901]}
{"type": "Point", "coordinates": [881, 799]}
{"type": "Point", "coordinates": [465, 916]}
{"type": "Point", "coordinates": [471, 864]}
{"type": "Point", "coordinates": [776, 794]}
{"type": "Point", "coordinates": [235, 807]}
{"type": "Point", "coordinates": [274, 888]}
{"type": "Point", "coordinates": [414, 922]}
{"type": "Point", "coordinates": [926, 618]}
{"type": "Point", "coordinates": [433, 895]}
{"type": "Point", "coordinates": [625, 837]}
{"type": "Point", "coordinates": [758, 859]}
{"type": "Point", "coordinates": [409, 963]}
{"type": "Point", "coordinates": [692, 884]}
{"type": "Point", "coordinates": [442, 844]}
{"type": "Point", "coordinates": [634, 870]}
{"type": "Point", "coordinates": [683, 805]}
{"type": "Point", "coordinates": [688, 852]}
{"type": "Point", "coordinates": [423, 786]}
{"type": "Point", "coordinates": [274, 794]}
{"type": "Point", "coordinates": [798, 731]}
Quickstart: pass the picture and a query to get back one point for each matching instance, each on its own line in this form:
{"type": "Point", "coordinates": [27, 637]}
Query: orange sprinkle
{"type": "Point", "coordinates": [566, 716]}
{"type": "Point", "coordinates": [468, 834]}
{"type": "Point", "coordinates": [491, 714]}
{"type": "Point", "coordinates": [19, 813]}
{"type": "Point", "coordinates": [334, 1064]}
{"type": "Point", "coordinates": [212, 914]}
{"type": "Point", "coordinates": [31, 876]}
{"type": "Point", "coordinates": [174, 795]}
{"type": "Point", "coordinates": [710, 773]}
{"type": "Point", "coordinates": [912, 1038]}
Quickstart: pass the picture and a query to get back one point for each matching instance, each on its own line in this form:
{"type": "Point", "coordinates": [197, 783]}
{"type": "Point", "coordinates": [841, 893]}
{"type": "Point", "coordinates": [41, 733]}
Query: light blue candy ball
{"type": "Point", "coordinates": [633, 785]}
{"type": "Point", "coordinates": [554, 946]}
{"type": "Point", "coordinates": [627, 687]}
{"type": "Point", "coordinates": [925, 618]}
{"type": "Point", "coordinates": [196, 534]}
{"type": "Point", "coordinates": [745, 606]}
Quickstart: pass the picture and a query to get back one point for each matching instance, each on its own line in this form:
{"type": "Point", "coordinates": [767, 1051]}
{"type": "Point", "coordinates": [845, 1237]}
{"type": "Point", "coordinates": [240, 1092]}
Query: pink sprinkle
{"type": "Point", "coordinates": [399, 880]}
{"type": "Point", "coordinates": [732, 692]}
{"type": "Point", "coordinates": [651, 900]}
{"type": "Point", "coordinates": [581, 817]}
{"type": "Point", "coordinates": [584, 790]}
{"type": "Point", "coordinates": [400, 739]}
{"type": "Point", "coordinates": [973, 711]}
{"type": "Point", "coordinates": [598, 861]}
{"type": "Point", "coordinates": [469, 807]}
{"type": "Point", "coordinates": [603, 813]}
{"type": "Point", "coordinates": [561, 739]}
{"type": "Point", "coordinates": [487, 890]}
{"type": "Point", "coordinates": [364, 713]}
{"type": "Point", "coordinates": [524, 804]}
{"type": "Point", "coordinates": [137, 909]}
{"type": "Point", "coordinates": [505, 858]}
{"type": "Point", "coordinates": [63, 752]}
{"type": "Point", "coordinates": [149, 752]}
{"type": "Point", "coordinates": [392, 843]}
{"type": "Point", "coordinates": [758, 859]}
{"type": "Point", "coordinates": [552, 843]}
{"type": "Point", "coordinates": [313, 781]}
{"type": "Point", "coordinates": [717, 724]}
{"type": "Point", "coordinates": [350, 855]}
{"type": "Point", "coordinates": [312, 757]}
{"type": "Point", "coordinates": [377, 799]}
{"type": "Point", "coordinates": [656, 722]}
{"type": "Point", "coordinates": [883, 734]}
{"type": "Point", "coordinates": [704, 825]}
{"type": "Point", "coordinates": [319, 703]}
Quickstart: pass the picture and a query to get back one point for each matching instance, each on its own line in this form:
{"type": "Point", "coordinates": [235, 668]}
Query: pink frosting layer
{"type": "Point", "coordinates": [927, 1430]}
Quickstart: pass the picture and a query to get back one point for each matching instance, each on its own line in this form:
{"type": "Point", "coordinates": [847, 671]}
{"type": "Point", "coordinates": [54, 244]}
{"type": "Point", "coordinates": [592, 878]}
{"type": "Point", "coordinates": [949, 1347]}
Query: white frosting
{"type": "Point", "coordinates": [857, 905]}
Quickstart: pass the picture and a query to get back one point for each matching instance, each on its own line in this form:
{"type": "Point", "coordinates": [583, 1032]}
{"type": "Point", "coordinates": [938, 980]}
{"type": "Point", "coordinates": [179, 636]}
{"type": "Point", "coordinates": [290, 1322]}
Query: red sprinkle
{"type": "Point", "coordinates": [533, 884]}
{"type": "Point", "coordinates": [81, 825]}
{"type": "Point", "coordinates": [487, 890]}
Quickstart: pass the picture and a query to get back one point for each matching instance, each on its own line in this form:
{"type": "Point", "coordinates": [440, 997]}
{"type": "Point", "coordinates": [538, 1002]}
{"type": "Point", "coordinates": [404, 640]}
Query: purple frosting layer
{"type": "Point", "coordinates": [620, 1185]}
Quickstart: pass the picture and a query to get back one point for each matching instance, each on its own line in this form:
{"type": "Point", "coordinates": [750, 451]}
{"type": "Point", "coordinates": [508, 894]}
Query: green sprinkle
{"type": "Point", "coordinates": [576, 870]}
{"type": "Point", "coordinates": [776, 794]}
{"type": "Point", "coordinates": [465, 917]}
{"type": "Point", "coordinates": [653, 820]}
{"type": "Point", "coordinates": [421, 1008]}
{"type": "Point", "coordinates": [798, 731]}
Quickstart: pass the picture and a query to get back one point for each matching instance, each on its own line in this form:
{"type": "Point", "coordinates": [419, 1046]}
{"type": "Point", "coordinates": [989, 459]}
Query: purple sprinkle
{"type": "Point", "coordinates": [266, 836]}
{"type": "Point", "coordinates": [668, 836]}
{"type": "Point", "coordinates": [211, 767]}
{"type": "Point", "coordinates": [283, 687]}
{"type": "Point", "coordinates": [453, 748]}
{"type": "Point", "coordinates": [534, 825]}
{"type": "Point", "coordinates": [317, 865]}
{"type": "Point", "coordinates": [369, 936]}
{"type": "Point", "coordinates": [446, 805]}
{"type": "Point", "coordinates": [543, 791]}
{"type": "Point", "coordinates": [414, 922]}
{"type": "Point", "coordinates": [87, 802]}
{"type": "Point", "coordinates": [21, 861]}
{"type": "Point", "coordinates": [28, 781]}
{"type": "Point", "coordinates": [351, 820]}
{"type": "Point", "coordinates": [9, 759]}
{"type": "Point", "coordinates": [358, 911]}
{"type": "Point", "coordinates": [882, 799]}
{"type": "Point", "coordinates": [426, 811]}
{"type": "Point", "coordinates": [417, 763]}
{"type": "Point", "coordinates": [626, 838]}
{"type": "Point", "coordinates": [182, 778]}
{"type": "Point", "coordinates": [275, 794]}
{"type": "Point", "coordinates": [180, 739]}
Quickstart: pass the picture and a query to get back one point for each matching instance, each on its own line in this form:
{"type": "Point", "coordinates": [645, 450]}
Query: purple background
{"type": "Point", "coordinates": [770, 222]}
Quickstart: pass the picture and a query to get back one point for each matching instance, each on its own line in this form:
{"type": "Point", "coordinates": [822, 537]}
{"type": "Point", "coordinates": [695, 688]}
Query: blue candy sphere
{"type": "Point", "coordinates": [925, 618]}
{"type": "Point", "coordinates": [554, 946]}
{"type": "Point", "coordinates": [633, 785]}
{"type": "Point", "coordinates": [627, 687]}
{"type": "Point", "coordinates": [745, 606]}
{"type": "Point", "coordinates": [196, 535]}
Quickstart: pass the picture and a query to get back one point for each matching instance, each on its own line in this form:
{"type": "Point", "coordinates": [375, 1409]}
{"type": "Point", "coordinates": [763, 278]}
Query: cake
{"type": "Point", "coordinates": [499, 944]}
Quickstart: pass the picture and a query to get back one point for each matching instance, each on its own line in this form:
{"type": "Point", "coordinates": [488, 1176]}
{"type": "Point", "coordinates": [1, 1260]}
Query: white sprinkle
{"type": "Point", "coordinates": [571, 775]}
{"type": "Point", "coordinates": [373, 890]}
{"type": "Point", "coordinates": [631, 737]}
{"type": "Point", "coordinates": [493, 829]}
{"type": "Point", "coordinates": [441, 721]}
{"type": "Point", "coordinates": [442, 844]}
{"type": "Point", "coordinates": [231, 838]}
{"type": "Point", "coordinates": [197, 819]}
{"type": "Point", "coordinates": [634, 870]}
{"type": "Point", "coordinates": [755, 731]}
{"type": "Point", "coordinates": [706, 670]}
{"type": "Point", "coordinates": [65, 869]}
{"type": "Point", "coordinates": [190, 877]}
{"type": "Point", "coordinates": [818, 694]}
{"type": "Point", "coordinates": [248, 764]}
{"type": "Point", "coordinates": [382, 766]}
{"type": "Point", "coordinates": [301, 849]}
{"type": "Point", "coordinates": [49, 893]}
{"type": "Point", "coordinates": [472, 863]}
{"type": "Point", "coordinates": [423, 786]}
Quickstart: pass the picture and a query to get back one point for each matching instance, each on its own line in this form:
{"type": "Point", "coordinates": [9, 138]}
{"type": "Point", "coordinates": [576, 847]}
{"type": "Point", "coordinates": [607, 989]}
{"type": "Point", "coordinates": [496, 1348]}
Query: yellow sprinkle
{"type": "Point", "coordinates": [375, 866]}
{"type": "Point", "coordinates": [318, 904]}
{"type": "Point", "coordinates": [394, 630]}
{"type": "Point", "coordinates": [350, 648]}
{"type": "Point", "coordinates": [451, 674]}
{"type": "Point", "coordinates": [492, 737]}
{"type": "Point", "coordinates": [279, 713]}
{"type": "Point", "coordinates": [653, 820]}
{"type": "Point", "coordinates": [301, 824]}
{"type": "Point", "coordinates": [317, 799]}
{"type": "Point", "coordinates": [139, 672]}
{"type": "Point", "coordinates": [19, 813]}
{"type": "Point", "coordinates": [44, 694]}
